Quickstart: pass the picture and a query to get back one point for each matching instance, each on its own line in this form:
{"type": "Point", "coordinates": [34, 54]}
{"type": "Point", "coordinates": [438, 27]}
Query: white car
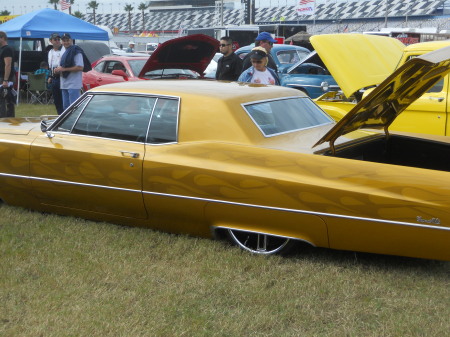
{"type": "Point", "coordinates": [211, 69]}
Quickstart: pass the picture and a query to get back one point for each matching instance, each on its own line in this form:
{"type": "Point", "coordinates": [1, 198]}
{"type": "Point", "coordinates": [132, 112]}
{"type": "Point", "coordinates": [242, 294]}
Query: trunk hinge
{"type": "Point", "coordinates": [333, 150]}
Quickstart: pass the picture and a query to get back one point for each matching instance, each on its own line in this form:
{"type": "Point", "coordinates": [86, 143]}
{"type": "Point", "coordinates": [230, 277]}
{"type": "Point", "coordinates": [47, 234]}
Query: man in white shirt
{"type": "Point", "coordinates": [259, 72]}
{"type": "Point", "coordinates": [54, 59]}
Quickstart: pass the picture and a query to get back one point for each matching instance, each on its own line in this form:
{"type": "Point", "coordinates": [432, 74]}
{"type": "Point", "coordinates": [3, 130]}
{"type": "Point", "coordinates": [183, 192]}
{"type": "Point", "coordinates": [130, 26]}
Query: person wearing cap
{"type": "Point", "coordinates": [54, 59]}
{"type": "Point", "coordinates": [229, 66]}
{"type": "Point", "coordinates": [130, 48]}
{"type": "Point", "coordinates": [7, 76]}
{"type": "Point", "coordinates": [73, 63]}
{"type": "Point", "coordinates": [265, 40]}
{"type": "Point", "coordinates": [259, 73]}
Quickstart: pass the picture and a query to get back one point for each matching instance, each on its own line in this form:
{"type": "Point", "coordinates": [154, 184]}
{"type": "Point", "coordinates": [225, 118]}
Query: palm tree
{"type": "Point", "coordinates": [142, 7]}
{"type": "Point", "coordinates": [5, 13]}
{"type": "Point", "coordinates": [129, 8]}
{"type": "Point", "coordinates": [70, 8]}
{"type": "Point", "coordinates": [93, 5]}
{"type": "Point", "coordinates": [78, 15]}
{"type": "Point", "coordinates": [54, 3]}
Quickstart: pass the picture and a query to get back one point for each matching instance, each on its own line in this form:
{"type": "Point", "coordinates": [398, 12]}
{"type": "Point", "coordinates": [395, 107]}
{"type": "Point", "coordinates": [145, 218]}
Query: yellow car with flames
{"type": "Point", "coordinates": [260, 165]}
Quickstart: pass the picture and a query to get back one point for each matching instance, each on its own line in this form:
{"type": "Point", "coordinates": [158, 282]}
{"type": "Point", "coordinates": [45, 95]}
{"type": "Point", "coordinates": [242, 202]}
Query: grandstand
{"type": "Point", "coordinates": [350, 16]}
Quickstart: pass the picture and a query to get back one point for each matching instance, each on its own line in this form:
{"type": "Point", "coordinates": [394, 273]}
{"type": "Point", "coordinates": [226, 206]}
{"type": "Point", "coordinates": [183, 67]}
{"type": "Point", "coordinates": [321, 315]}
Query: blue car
{"type": "Point", "coordinates": [284, 55]}
{"type": "Point", "coordinates": [299, 68]}
{"type": "Point", "coordinates": [310, 76]}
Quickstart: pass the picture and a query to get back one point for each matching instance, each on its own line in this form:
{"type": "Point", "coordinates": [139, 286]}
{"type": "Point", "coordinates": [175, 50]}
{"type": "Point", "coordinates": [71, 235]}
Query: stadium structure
{"type": "Point", "coordinates": [329, 17]}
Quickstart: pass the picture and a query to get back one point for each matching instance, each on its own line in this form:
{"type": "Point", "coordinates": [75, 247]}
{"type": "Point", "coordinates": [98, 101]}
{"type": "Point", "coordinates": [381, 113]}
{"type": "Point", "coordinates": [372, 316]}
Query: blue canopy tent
{"type": "Point", "coordinates": [43, 22]}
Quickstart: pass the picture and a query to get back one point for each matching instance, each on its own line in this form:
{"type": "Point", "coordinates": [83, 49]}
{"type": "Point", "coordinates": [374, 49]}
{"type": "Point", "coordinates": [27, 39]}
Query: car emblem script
{"type": "Point", "coordinates": [435, 221]}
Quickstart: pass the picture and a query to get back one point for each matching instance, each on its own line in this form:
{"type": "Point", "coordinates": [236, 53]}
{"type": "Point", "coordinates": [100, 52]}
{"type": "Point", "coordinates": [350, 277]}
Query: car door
{"type": "Point", "coordinates": [92, 158]}
{"type": "Point", "coordinates": [428, 114]}
{"type": "Point", "coordinates": [101, 74]}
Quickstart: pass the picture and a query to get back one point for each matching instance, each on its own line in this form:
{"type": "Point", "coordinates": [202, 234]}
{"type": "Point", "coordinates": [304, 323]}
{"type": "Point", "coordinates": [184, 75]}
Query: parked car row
{"type": "Point", "coordinates": [181, 58]}
{"type": "Point", "coordinates": [311, 78]}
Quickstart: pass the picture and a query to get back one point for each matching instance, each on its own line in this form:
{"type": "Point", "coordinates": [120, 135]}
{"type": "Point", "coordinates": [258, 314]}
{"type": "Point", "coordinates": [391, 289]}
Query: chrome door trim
{"type": "Point", "coordinates": [320, 214]}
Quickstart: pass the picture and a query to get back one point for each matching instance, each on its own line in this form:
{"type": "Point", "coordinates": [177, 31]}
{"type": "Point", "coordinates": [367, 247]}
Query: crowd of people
{"type": "Point", "coordinates": [66, 62]}
{"type": "Point", "coordinates": [63, 69]}
{"type": "Point", "coordinates": [258, 66]}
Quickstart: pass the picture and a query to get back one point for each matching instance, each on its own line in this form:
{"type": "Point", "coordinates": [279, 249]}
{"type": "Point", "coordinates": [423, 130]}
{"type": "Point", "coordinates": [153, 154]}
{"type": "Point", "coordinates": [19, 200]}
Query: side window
{"type": "Point", "coordinates": [118, 66]}
{"type": "Point", "coordinates": [164, 123]}
{"type": "Point", "coordinates": [99, 67]}
{"type": "Point", "coordinates": [116, 117]}
{"type": "Point", "coordinates": [67, 124]}
{"type": "Point", "coordinates": [438, 87]}
{"type": "Point", "coordinates": [109, 66]}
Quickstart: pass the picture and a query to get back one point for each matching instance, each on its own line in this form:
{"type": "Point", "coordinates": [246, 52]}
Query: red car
{"type": "Point", "coordinates": [184, 57]}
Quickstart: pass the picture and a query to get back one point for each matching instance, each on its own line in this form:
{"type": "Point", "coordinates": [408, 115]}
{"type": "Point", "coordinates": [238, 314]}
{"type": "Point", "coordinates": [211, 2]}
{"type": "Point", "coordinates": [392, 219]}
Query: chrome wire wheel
{"type": "Point", "coordinates": [260, 243]}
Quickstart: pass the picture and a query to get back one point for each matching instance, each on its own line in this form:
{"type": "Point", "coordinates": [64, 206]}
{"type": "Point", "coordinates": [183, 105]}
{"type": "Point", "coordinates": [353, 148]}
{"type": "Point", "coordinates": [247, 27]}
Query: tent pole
{"type": "Point", "coordinates": [19, 71]}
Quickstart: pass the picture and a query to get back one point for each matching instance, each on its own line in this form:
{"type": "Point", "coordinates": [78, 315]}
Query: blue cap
{"type": "Point", "coordinates": [265, 36]}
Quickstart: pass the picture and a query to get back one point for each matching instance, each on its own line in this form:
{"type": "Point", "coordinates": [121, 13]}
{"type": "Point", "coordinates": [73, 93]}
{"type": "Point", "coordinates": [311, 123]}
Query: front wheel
{"type": "Point", "coordinates": [260, 243]}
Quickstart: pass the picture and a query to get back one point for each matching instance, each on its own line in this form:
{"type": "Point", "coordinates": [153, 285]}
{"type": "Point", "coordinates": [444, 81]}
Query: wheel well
{"type": "Point", "coordinates": [220, 233]}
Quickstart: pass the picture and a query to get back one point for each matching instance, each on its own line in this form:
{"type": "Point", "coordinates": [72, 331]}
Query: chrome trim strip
{"type": "Point", "coordinates": [97, 137]}
{"type": "Point", "coordinates": [233, 203]}
{"type": "Point", "coordinates": [295, 86]}
{"type": "Point", "coordinates": [299, 211]}
{"type": "Point", "coordinates": [69, 182]}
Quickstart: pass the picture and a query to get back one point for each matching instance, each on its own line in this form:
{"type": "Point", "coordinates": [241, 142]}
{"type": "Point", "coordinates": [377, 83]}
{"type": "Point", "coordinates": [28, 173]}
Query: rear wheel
{"type": "Point", "coordinates": [260, 243]}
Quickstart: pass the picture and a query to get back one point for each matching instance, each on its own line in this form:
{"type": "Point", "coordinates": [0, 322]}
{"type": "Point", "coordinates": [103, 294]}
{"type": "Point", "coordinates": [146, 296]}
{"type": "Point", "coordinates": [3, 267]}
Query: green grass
{"type": "Point", "coordinates": [31, 110]}
{"type": "Point", "coordinates": [63, 276]}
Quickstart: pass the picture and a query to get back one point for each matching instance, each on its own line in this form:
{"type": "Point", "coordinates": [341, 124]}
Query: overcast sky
{"type": "Point", "coordinates": [116, 6]}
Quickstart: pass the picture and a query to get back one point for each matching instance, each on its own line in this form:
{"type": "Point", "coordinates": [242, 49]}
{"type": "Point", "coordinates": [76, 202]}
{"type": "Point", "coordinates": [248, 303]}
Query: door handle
{"type": "Point", "coordinates": [439, 99]}
{"type": "Point", "coordinates": [130, 154]}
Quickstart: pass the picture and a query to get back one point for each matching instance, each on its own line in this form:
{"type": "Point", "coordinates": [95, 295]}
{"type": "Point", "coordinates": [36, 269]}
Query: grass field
{"type": "Point", "coordinates": [29, 110]}
{"type": "Point", "coordinates": [63, 276]}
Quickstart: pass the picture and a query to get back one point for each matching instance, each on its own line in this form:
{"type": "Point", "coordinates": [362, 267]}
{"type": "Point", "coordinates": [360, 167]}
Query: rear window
{"type": "Point", "coordinates": [286, 115]}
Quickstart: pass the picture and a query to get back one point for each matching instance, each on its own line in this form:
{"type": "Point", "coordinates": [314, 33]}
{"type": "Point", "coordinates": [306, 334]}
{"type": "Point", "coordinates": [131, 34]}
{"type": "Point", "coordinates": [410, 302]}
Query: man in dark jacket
{"type": "Point", "coordinates": [229, 66]}
{"type": "Point", "coordinates": [7, 75]}
{"type": "Point", "coordinates": [73, 63]}
{"type": "Point", "coordinates": [265, 40]}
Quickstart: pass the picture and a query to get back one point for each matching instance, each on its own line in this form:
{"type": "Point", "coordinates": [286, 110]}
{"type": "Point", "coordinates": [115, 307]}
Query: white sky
{"type": "Point", "coordinates": [116, 6]}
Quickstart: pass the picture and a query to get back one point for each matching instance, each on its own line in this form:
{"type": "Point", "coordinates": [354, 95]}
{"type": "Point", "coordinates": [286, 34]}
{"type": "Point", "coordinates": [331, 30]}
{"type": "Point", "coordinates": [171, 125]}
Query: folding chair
{"type": "Point", "coordinates": [37, 91]}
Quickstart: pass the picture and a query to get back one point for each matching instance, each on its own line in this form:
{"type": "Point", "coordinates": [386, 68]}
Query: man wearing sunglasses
{"type": "Point", "coordinates": [259, 73]}
{"type": "Point", "coordinates": [265, 40]}
{"type": "Point", "coordinates": [229, 66]}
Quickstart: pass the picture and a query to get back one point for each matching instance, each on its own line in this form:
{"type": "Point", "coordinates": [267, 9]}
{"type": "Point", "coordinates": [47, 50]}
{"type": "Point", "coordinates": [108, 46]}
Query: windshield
{"type": "Point", "coordinates": [137, 65]}
{"type": "Point", "coordinates": [286, 115]}
{"type": "Point", "coordinates": [291, 56]}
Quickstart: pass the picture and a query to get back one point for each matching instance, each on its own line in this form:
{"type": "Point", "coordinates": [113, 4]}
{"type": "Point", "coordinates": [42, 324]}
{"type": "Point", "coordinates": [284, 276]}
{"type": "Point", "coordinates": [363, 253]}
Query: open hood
{"type": "Point", "coordinates": [193, 52]}
{"type": "Point", "coordinates": [358, 61]}
{"type": "Point", "coordinates": [382, 105]}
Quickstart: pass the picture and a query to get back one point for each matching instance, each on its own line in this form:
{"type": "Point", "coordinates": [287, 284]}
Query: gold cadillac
{"type": "Point", "coordinates": [262, 165]}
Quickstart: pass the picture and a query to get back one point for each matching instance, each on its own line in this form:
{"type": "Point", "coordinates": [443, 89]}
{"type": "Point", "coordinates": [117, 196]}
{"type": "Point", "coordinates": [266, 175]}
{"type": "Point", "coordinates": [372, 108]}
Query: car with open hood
{"type": "Point", "coordinates": [284, 55]}
{"type": "Point", "coordinates": [310, 76]}
{"type": "Point", "coordinates": [299, 68]}
{"type": "Point", "coordinates": [262, 166]}
{"type": "Point", "coordinates": [179, 58]}
{"type": "Point", "coordinates": [360, 62]}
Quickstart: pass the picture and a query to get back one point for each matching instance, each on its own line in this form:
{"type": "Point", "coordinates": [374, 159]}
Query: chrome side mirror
{"type": "Point", "coordinates": [44, 126]}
